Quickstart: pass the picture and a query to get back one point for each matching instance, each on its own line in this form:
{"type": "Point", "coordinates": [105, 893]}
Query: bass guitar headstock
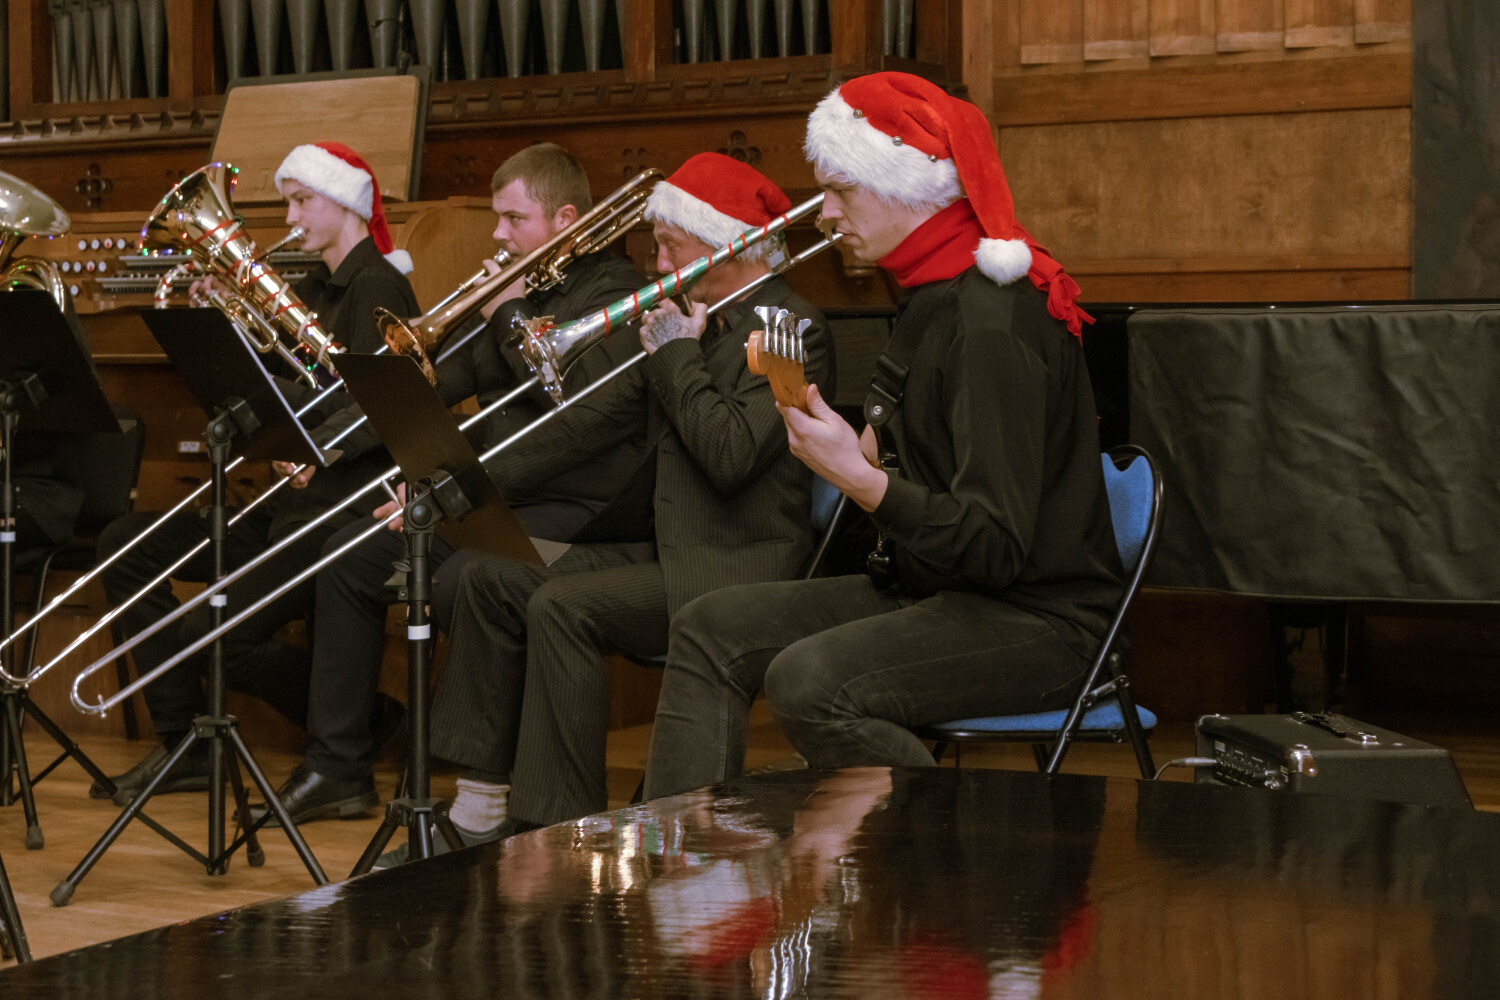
{"type": "Point", "coordinates": [777, 352]}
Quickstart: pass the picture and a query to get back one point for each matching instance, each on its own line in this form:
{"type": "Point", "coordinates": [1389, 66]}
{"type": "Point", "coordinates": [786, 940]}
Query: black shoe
{"type": "Point", "coordinates": [308, 795]}
{"type": "Point", "coordinates": [190, 775]}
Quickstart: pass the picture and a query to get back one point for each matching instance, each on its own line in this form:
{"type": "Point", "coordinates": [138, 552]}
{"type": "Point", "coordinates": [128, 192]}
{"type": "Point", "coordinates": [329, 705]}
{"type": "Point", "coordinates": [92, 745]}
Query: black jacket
{"type": "Point", "coordinates": [726, 500]}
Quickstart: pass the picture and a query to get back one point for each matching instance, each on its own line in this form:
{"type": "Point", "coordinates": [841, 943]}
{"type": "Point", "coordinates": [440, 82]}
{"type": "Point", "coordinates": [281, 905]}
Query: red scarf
{"type": "Point", "coordinates": [943, 247]}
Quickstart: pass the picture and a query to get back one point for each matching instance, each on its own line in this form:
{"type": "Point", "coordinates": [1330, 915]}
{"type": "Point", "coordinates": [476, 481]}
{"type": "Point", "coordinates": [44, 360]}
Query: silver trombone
{"type": "Point", "coordinates": [577, 338]}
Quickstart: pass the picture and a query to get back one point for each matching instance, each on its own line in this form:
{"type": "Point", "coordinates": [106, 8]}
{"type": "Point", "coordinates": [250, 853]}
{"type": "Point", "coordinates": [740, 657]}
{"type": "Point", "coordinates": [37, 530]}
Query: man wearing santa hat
{"type": "Point", "coordinates": [332, 193]}
{"type": "Point", "coordinates": [537, 193]}
{"type": "Point", "coordinates": [997, 571]}
{"type": "Point", "coordinates": [718, 500]}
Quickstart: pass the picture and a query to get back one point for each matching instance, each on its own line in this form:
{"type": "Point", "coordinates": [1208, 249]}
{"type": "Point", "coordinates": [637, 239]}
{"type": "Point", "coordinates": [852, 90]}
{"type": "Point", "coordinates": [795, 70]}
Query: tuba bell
{"type": "Point", "coordinates": [197, 219]}
{"type": "Point", "coordinates": [25, 211]}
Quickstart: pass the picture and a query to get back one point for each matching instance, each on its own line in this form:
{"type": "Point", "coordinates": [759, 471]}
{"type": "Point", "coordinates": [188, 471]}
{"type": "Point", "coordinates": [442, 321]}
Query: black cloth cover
{"type": "Point", "coordinates": [1339, 452]}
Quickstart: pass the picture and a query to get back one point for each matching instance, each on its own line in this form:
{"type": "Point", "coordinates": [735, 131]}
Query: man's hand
{"type": "Point", "coordinates": [514, 290]}
{"type": "Point", "coordinates": [829, 446]}
{"type": "Point", "coordinates": [199, 289]}
{"type": "Point", "coordinates": [666, 322]}
{"type": "Point", "coordinates": [288, 470]}
{"type": "Point", "coordinates": [386, 510]}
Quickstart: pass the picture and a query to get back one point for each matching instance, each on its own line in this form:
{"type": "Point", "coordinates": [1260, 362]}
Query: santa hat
{"type": "Point", "coordinates": [342, 176]}
{"type": "Point", "coordinates": [715, 198]}
{"type": "Point", "coordinates": [909, 142]}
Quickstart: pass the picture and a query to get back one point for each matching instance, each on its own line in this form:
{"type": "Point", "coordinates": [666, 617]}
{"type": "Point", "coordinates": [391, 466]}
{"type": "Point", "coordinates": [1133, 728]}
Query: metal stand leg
{"type": "Point", "coordinates": [14, 939]}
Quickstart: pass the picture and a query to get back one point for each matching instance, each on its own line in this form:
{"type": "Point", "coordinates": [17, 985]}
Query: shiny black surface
{"type": "Point", "coordinates": [912, 883]}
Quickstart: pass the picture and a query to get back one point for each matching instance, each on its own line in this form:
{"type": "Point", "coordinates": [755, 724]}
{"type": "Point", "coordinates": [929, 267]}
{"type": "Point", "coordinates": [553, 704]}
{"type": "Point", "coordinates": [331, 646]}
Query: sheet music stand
{"type": "Point", "coordinates": [246, 410]}
{"type": "Point", "coordinates": [45, 373]}
{"type": "Point", "coordinates": [448, 491]}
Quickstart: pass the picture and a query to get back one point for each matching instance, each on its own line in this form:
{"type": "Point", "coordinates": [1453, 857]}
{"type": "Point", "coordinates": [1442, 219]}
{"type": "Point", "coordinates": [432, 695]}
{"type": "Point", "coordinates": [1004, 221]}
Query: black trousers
{"type": "Point", "coordinates": [847, 670]}
{"type": "Point", "coordinates": [254, 662]}
{"type": "Point", "coordinates": [349, 642]}
{"type": "Point", "coordinates": [525, 691]}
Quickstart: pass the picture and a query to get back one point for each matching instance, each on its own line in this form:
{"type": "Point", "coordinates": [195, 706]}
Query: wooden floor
{"type": "Point", "coordinates": [142, 882]}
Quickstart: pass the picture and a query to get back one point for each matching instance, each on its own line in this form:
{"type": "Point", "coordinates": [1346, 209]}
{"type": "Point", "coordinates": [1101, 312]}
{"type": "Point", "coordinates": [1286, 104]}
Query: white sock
{"type": "Point", "coordinates": [479, 806]}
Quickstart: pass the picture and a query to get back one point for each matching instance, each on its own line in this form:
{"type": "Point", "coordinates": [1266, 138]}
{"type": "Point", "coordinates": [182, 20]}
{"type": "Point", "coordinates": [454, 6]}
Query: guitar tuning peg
{"type": "Point", "coordinates": [802, 327]}
{"type": "Point", "coordinates": [766, 314]}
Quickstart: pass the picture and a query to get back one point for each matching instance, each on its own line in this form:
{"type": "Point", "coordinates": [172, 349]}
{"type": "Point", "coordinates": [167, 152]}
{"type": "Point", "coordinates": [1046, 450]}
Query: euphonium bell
{"type": "Point", "coordinates": [26, 211]}
{"type": "Point", "coordinates": [197, 219]}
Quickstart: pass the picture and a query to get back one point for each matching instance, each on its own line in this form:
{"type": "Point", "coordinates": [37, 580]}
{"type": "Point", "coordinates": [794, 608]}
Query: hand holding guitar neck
{"type": "Point", "coordinates": [777, 353]}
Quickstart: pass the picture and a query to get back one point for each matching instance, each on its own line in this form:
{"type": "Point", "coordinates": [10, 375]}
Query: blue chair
{"type": "Point", "coordinates": [1101, 712]}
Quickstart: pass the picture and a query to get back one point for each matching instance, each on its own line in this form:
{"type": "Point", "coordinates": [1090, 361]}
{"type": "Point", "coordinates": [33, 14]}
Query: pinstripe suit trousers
{"type": "Point", "coordinates": [525, 690]}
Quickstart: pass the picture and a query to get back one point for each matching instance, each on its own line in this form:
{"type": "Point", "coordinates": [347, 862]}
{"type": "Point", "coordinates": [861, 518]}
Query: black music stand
{"type": "Point", "coordinates": [244, 405]}
{"type": "Point", "coordinates": [45, 372]}
{"type": "Point", "coordinates": [448, 487]}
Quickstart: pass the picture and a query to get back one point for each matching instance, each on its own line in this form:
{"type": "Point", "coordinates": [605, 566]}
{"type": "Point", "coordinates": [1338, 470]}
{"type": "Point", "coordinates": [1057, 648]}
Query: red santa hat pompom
{"type": "Point", "coordinates": [910, 142]}
{"type": "Point", "coordinates": [342, 176]}
{"type": "Point", "coordinates": [715, 198]}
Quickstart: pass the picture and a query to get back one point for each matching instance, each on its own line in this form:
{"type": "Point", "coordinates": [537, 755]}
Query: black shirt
{"type": "Point", "coordinates": [1001, 488]}
{"type": "Point", "coordinates": [345, 301]}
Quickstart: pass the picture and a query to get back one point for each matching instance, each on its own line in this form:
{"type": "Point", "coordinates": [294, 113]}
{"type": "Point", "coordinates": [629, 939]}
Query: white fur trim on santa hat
{"type": "Point", "coordinates": [340, 182]}
{"type": "Point", "coordinates": [401, 261]}
{"type": "Point", "coordinates": [1003, 261]}
{"type": "Point", "coordinates": [671, 205]}
{"type": "Point", "coordinates": [846, 146]}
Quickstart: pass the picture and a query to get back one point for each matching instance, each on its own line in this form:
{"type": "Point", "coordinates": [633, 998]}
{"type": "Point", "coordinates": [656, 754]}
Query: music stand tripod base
{"type": "Point", "coordinates": [243, 403]}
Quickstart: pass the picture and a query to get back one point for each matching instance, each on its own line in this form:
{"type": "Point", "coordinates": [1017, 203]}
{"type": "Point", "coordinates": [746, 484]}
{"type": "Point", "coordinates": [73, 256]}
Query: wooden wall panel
{"type": "Point", "coordinates": [1116, 29]}
{"type": "Point", "coordinates": [1382, 21]}
{"type": "Point", "coordinates": [1247, 25]}
{"type": "Point", "coordinates": [1318, 186]}
{"type": "Point", "coordinates": [1051, 31]}
{"type": "Point", "coordinates": [1182, 27]}
{"type": "Point", "coordinates": [1312, 23]}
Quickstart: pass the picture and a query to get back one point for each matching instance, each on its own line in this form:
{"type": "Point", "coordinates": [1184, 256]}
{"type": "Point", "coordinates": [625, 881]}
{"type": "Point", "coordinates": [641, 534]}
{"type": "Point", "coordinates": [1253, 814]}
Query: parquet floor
{"type": "Point", "coordinates": [143, 882]}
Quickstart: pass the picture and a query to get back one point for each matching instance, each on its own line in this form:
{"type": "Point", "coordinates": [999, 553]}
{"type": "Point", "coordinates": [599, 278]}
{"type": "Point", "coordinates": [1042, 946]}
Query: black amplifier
{"type": "Point", "coordinates": [1332, 754]}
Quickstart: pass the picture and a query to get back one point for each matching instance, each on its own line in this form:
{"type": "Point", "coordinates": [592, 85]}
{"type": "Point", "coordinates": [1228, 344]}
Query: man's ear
{"type": "Point", "coordinates": [565, 217]}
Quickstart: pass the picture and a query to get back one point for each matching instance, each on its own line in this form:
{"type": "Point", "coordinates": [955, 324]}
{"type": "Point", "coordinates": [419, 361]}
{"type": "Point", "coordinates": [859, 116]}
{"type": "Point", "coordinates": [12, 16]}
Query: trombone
{"type": "Point", "coordinates": [541, 269]}
{"type": "Point", "coordinates": [573, 338]}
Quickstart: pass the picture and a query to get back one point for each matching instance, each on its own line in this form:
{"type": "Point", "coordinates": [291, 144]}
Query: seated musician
{"type": "Point", "coordinates": [718, 500]}
{"type": "Point", "coordinates": [993, 513]}
{"type": "Point", "coordinates": [537, 194]}
{"type": "Point", "coordinates": [332, 193]}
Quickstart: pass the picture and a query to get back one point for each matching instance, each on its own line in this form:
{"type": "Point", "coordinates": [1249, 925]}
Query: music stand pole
{"type": "Point", "coordinates": [416, 809]}
{"type": "Point", "coordinates": [20, 390]}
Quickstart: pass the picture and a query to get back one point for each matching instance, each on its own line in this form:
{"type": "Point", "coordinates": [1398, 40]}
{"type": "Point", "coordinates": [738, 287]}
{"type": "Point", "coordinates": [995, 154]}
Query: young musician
{"type": "Point", "coordinates": [538, 194]}
{"type": "Point", "coordinates": [1002, 566]}
{"type": "Point", "coordinates": [332, 193]}
{"type": "Point", "coordinates": [718, 500]}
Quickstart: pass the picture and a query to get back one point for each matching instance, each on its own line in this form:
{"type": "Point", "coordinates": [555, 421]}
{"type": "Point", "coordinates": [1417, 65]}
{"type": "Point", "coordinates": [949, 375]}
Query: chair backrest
{"type": "Point", "coordinates": [1132, 497]}
{"type": "Point", "coordinates": [827, 506]}
{"type": "Point", "coordinates": [111, 465]}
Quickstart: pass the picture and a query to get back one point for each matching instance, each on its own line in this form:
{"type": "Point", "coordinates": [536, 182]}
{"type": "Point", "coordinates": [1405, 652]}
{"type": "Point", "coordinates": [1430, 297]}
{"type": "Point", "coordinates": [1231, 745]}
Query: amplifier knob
{"type": "Point", "coordinates": [103, 266]}
{"type": "Point", "coordinates": [94, 244]}
{"type": "Point", "coordinates": [83, 244]}
{"type": "Point", "coordinates": [89, 267]}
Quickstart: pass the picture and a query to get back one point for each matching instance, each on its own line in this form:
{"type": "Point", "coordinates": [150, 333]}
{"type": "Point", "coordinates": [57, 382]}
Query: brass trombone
{"type": "Point", "coordinates": [541, 269]}
{"type": "Point", "coordinates": [564, 345]}
{"type": "Point", "coordinates": [608, 220]}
